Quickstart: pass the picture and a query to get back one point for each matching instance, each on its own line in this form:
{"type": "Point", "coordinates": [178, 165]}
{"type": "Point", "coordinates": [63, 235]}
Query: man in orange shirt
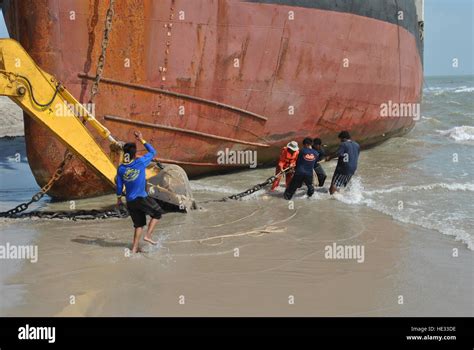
{"type": "Point", "coordinates": [288, 157]}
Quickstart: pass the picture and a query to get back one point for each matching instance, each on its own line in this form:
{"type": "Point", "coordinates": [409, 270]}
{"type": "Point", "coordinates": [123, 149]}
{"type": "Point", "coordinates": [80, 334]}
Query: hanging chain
{"type": "Point", "coordinates": [105, 42]}
{"type": "Point", "coordinates": [93, 214]}
{"type": "Point", "coordinates": [68, 155]}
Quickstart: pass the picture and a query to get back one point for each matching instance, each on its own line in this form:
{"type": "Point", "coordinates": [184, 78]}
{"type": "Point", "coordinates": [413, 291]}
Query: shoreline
{"type": "Point", "coordinates": [270, 268]}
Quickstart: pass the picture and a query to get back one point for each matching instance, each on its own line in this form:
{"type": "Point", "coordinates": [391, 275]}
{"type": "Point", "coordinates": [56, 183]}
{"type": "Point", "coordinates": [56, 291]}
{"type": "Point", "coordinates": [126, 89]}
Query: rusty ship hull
{"type": "Point", "coordinates": [201, 76]}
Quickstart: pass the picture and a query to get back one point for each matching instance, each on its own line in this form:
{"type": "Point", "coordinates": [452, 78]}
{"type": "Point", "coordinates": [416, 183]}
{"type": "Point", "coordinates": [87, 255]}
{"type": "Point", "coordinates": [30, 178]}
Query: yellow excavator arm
{"type": "Point", "coordinates": [45, 100]}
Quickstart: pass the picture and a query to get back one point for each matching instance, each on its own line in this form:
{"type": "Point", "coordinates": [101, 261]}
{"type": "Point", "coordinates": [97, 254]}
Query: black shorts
{"type": "Point", "coordinates": [340, 180]}
{"type": "Point", "coordinates": [140, 207]}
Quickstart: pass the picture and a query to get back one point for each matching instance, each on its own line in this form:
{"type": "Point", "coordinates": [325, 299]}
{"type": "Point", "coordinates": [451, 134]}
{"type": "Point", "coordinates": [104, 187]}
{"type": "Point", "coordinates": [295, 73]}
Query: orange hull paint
{"type": "Point", "coordinates": [282, 64]}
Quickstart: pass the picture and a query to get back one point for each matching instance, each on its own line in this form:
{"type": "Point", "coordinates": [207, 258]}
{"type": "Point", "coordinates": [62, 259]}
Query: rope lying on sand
{"type": "Point", "coordinates": [252, 233]}
{"type": "Point", "coordinates": [258, 232]}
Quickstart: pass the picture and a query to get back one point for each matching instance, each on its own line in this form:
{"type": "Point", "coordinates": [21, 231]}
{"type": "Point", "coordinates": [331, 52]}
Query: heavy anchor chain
{"type": "Point", "coordinates": [37, 196]}
{"type": "Point", "coordinates": [68, 155]}
{"type": "Point", "coordinates": [105, 42]}
{"type": "Point", "coordinates": [102, 214]}
{"type": "Point", "coordinates": [257, 187]}
{"type": "Point", "coordinates": [115, 212]}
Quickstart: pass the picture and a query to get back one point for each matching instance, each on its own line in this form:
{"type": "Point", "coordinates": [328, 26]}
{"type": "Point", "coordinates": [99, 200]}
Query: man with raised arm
{"type": "Point", "coordinates": [131, 174]}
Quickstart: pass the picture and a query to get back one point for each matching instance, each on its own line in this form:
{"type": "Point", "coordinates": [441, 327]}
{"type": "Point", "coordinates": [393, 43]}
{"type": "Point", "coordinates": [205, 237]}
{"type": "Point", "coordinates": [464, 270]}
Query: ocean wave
{"type": "Point", "coordinates": [444, 227]}
{"type": "Point", "coordinates": [440, 90]}
{"type": "Point", "coordinates": [459, 133]}
{"type": "Point", "coordinates": [356, 194]}
{"type": "Point", "coordinates": [464, 89]}
{"type": "Point", "coordinates": [447, 186]}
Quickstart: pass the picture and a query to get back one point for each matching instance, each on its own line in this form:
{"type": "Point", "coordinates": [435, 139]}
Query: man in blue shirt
{"type": "Point", "coordinates": [348, 157]}
{"type": "Point", "coordinates": [131, 173]}
{"type": "Point", "coordinates": [304, 170]}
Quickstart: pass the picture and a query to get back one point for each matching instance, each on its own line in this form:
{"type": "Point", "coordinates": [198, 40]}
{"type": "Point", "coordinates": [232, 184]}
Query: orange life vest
{"type": "Point", "coordinates": [287, 159]}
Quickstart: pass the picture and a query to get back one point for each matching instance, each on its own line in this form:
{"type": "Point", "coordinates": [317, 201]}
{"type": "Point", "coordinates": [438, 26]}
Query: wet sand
{"type": "Point", "coordinates": [195, 271]}
{"type": "Point", "coordinates": [281, 258]}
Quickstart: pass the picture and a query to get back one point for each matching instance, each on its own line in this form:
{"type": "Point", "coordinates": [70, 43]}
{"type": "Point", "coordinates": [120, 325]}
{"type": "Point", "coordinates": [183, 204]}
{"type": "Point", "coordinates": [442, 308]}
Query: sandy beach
{"type": "Point", "coordinates": [264, 256]}
{"type": "Point", "coordinates": [279, 262]}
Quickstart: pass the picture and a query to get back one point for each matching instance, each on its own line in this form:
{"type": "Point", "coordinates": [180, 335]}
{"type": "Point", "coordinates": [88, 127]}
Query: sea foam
{"type": "Point", "coordinates": [459, 133]}
{"type": "Point", "coordinates": [356, 194]}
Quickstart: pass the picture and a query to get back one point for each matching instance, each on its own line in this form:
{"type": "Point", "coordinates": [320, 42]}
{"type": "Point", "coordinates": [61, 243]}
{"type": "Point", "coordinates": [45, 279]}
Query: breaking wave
{"type": "Point", "coordinates": [436, 90]}
{"type": "Point", "coordinates": [451, 187]}
{"type": "Point", "coordinates": [459, 133]}
{"type": "Point", "coordinates": [464, 89]}
{"type": "Point", "coordinates": [356, 194]}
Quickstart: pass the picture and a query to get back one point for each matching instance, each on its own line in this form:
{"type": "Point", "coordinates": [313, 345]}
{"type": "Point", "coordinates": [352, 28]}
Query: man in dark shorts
{"type": "Point", "coordinates": [318, 169]}
{"type": "Point", "coordinates": [304, 170]}
{"type": "Point", "coordinates": [348, 156]}
{"type": "Point", "coordinates": [131, 173]}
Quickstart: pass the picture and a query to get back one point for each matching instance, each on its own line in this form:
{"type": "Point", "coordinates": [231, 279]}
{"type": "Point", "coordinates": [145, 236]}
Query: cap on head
{"type": "Point", "coordinates": [293, 145]}
{"type": "Point", "coordinates": [344, 135]}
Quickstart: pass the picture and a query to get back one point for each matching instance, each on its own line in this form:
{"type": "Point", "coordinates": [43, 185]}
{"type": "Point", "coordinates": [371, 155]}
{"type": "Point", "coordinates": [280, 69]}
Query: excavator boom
{"type": "Point", "coordinates": [42, 97]}
{"type": "Point", "coordinates": [45, 100]}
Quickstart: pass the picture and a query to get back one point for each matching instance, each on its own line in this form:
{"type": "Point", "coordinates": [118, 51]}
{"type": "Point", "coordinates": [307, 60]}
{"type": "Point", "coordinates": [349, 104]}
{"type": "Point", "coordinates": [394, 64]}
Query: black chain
{"type": "Point", "coordinates": [252, 189]}
{"type": "Point", "coordinates": [111, 213]}
{"type": "Point", "coordinates": [81, 214]}
{"type": "Point", "coordinates": [37, 196]}
{"type": "Point", "coordinates": [105, 42]}
{"type": "Point", "coordinates": [75, 215]}
{"type": "Point", "coordinates": [257, 187]}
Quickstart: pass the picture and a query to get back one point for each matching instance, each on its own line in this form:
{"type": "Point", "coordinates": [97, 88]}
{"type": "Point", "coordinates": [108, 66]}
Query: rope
{"type": "Point", "coordinates": [253, 233]}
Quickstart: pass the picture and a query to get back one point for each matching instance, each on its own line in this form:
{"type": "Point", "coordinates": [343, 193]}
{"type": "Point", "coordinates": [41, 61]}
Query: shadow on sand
{"type": "Point", "coordinates": [100, 242]}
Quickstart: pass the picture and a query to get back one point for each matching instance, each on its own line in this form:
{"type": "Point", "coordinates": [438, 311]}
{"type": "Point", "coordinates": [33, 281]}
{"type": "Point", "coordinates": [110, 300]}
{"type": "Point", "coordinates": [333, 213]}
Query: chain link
{"type": "Point", "coordinates": [105, 42]}
{"type": "Point", "coordinates": [93, 214]}
{"type": "Point", "coordinates": [67, 156]}
{"type": "Point", "coordinates": [37, 196]}
{"type": "Point", "coordinates": [108, 213]}
{"type": "Point", "coordinates": [76, 215]}
{"type": "Point", "coordinates": [257, 187]}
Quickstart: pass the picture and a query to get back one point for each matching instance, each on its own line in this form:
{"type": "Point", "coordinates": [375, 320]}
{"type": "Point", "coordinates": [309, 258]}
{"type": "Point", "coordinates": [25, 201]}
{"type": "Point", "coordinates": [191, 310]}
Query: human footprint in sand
{"type": "Point", "coordinates": [131, 174]}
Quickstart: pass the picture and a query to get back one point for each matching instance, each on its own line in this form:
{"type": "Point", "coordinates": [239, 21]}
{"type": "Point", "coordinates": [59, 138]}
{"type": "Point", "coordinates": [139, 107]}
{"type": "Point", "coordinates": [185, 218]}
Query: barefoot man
{"type": "Point", "coordinates": [131, 173]}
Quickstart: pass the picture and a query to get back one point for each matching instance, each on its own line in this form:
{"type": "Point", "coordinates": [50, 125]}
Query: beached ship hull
{"type": "Point", "coordinates": [201, 76]}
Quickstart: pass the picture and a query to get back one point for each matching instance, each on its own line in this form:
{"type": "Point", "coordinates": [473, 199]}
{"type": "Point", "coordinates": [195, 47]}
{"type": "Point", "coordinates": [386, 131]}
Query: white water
{"type": "Point", "coordinates": [417, 212]}
{"type": "Point", "coordinates": [459, 133]}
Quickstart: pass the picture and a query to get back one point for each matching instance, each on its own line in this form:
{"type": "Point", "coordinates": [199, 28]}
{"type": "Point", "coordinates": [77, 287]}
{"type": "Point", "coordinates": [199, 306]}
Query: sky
{"type": "Point", "coordinates": [449, 35]}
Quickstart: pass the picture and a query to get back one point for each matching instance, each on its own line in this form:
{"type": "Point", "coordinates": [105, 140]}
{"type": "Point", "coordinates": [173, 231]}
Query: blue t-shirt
{"type": "Point", "coordinates": [132, 175]}
{"type": "Point", "coordinates": [306, 160]}
{"type": "Point", "coordinates": [348, 154]}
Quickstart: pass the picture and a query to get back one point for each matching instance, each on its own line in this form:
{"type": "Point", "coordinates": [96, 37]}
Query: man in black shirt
{"type": "Point", "coordinates": [348, 156]}
{"type": "Point", "coordinates": [304, 170]}
{"type": "Point", "coordinates": [318, 169]}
